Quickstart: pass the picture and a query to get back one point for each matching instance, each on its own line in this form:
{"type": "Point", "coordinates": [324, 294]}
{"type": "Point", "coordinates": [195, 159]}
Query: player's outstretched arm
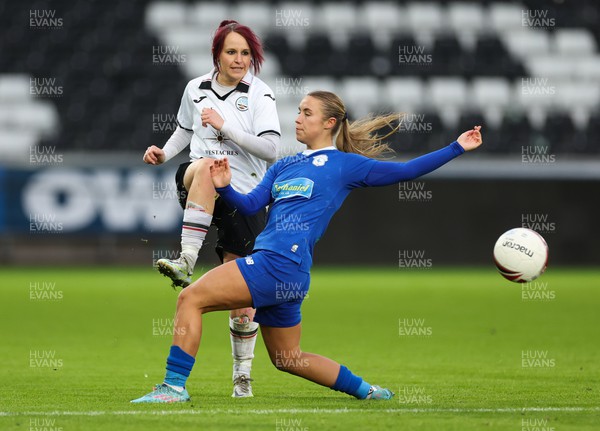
{"type": "Point", "coordinates": [246, 204]}
{"type": "Point", "coordinates": [387, 173]}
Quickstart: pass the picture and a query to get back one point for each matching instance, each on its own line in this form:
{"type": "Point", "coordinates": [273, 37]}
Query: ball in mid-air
{"type": "Point", "coordinates": [521, 255]}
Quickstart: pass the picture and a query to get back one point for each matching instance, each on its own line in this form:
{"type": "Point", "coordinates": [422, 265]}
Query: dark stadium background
{"type": "Point", "coordinates": [86, 86]}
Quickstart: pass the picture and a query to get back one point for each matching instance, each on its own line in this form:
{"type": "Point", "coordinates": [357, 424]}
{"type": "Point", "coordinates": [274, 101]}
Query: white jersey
{"type": "Point", "coordinates": [250, 107]}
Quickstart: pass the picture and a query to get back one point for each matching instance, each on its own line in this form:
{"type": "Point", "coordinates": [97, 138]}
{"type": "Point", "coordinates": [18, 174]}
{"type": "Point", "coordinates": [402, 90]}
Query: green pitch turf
{"type": "Point", "coordinates": [462, 349]}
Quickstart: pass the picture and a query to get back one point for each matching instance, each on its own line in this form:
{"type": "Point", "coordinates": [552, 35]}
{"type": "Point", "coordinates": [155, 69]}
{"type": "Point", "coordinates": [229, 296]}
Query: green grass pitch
{"type": "Point", "coordinates": [463, 349]}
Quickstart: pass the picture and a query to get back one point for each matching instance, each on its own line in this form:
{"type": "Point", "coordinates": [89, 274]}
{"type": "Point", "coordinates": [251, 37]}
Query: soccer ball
{"type": "Point", "coordinates": [521, 255]}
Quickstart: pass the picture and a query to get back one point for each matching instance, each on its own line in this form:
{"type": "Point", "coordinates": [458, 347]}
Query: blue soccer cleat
{"type": "Point", "coordinates": [164, 393]}
{"type": "Point", "coordinates": [379, 393]}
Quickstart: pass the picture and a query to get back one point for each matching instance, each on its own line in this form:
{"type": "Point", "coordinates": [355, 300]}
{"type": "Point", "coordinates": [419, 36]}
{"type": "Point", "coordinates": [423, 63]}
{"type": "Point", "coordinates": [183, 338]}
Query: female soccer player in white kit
{"type": "Point", "coordinates": [230, 113]}
{"type": "Point", "coordinates": [312, 186]}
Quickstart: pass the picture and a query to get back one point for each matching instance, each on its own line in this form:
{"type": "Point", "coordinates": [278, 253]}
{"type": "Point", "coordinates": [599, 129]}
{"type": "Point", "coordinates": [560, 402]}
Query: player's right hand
{"type": "Point", "coordinates": [154, 155]}
{"type": "Point", "coordinates": [471, 139]}
{"type": "Point", "coordinates": [220, 173]}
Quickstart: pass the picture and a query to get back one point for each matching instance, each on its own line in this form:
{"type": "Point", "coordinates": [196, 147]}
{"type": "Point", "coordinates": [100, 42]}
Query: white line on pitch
{"type": "Point", "coordinates": [201, 411]}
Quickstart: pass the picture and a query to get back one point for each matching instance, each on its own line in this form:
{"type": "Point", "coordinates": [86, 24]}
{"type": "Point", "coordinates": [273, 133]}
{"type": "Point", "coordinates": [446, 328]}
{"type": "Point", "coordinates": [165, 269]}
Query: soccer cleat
{"type": "Point", "coordinates": [242, 387]}
{"type": "Point", "coordinates": [164, 393]}
{"type": "Point", "coordinates": [379, 393]}
{"type": "Point", "coordinates": [177, 270]}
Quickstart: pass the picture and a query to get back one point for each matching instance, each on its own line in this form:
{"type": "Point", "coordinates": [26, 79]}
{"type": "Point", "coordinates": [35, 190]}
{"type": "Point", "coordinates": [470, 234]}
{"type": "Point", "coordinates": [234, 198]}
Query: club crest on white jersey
{"type": "Point", "coordinates": [242, 103]}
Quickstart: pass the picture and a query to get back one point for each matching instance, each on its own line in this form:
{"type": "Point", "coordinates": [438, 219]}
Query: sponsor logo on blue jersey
{"type": "Point", "coordinates": [294, 187]}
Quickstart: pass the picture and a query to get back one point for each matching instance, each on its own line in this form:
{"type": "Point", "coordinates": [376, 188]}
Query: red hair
{"type": "Point", "coordinates": [229, 26]}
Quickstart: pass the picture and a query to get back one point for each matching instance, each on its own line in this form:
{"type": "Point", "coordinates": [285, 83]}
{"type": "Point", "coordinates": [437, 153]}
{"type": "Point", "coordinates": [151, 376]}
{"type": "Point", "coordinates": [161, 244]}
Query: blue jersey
{"type": "Point", "coordinates": [304, 191]}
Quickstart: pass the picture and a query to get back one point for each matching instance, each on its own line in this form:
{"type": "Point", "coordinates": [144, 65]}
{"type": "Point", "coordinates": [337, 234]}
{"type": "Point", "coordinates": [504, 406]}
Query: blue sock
{"type": "Point", "coordinates": [351, 384]}
{"type": "Point", "coordinates": [179, 366]}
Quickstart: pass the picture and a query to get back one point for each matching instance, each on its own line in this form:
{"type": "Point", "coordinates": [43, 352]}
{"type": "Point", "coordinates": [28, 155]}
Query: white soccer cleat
{"type": "Point", "coordinates": [242, 388]}
{"type": "Point", "coordinates": [177, 270]}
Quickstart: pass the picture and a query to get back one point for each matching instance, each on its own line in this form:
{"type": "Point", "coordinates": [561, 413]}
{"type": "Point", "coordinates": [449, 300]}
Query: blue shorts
{"type": "Point", "coordinates": [277, 287]}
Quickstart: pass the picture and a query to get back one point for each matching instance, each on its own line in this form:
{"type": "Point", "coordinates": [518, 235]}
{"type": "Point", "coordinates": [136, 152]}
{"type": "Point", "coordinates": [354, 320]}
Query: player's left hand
{"type": "Point", "coordinates": [220, 173]}
{"type": "Point", "coordinates": [471, 139]}
{"type": "Point", "coordinates": [211, 117]}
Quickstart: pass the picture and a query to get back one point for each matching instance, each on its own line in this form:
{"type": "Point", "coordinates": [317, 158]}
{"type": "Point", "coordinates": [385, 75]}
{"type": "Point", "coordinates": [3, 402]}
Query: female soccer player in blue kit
{"type": "Point", "coordinates": [227, 112]}
{"type": "Point", "coordinates": [311, 186]}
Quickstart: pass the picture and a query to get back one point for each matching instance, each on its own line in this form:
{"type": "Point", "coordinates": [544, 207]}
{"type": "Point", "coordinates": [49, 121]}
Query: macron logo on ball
{"type": "Point", "coordinates": [295, 187]}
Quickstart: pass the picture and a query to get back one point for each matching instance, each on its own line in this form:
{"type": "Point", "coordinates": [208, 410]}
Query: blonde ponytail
{"type": "Point", "coordinates": [359, 136]}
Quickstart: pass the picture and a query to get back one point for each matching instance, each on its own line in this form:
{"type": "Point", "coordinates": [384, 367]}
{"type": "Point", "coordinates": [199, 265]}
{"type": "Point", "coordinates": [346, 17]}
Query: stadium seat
{"type": "Point", "coordinates": [435, 136]}
{"type": "Point", "coordinates": [515, 132]}
{"type": "Point", "coordinates": [492, 96]}
{"type": "Point", "coordinates": [381, 17]}
{"type": "Point", "coordinates": [552, 67]}
{"type": "Point", "coordinates": [296, 64]}
{"type": "Point", "coordinates": [425, 17]}
{"type": "Point", "coordinates": [277, 43]}
{"type": "Point", "coordinates": [574, 42]}
{"type": "Point", "coordinates": [491, 93]}
{"type": "Point", "coordinates": [14, 87]}
{"type": "Point", "coordinates": [492, 59]}
{"type": "Point", "coordinates": [259, 16]}
{"type": "Point", "coordinates": [46, 124]}
{"type": "Point", "coordinates": [560, 132]}
{"type": "Point", "coordinates": [447, 56]}
{"type": "Point", "coordinates": [320, 51]}
{"type": "Point", "coordinates": [271, 69]}
{"type": "Point", "coordinates": [526, 43]}
{"type": "Point", "coordinates": [313, 83]}
{"type": "Point", "coordinates": [16, 145]}
{"type": "Point", "coordinates": [360, 55]}
{"type": "Point", "coordinates": [406, 43]}
{"type": "Point", "coordinates": [418, 132]}
{"type": "Point", "coordinates": [447, 93]}
{"type": "Point", "coordinates": [287, 116]}
{"type": "Point", "coordinates": [295, 17]}
{"type": "Point", "coordinates": [163, 15]}
{"type": "Point", "coordinates": [403, 94]}
{"type": "Point", "coordinates": [576, 96]}
{"type": "Point", "coordinates": [361, 95]}
{"type": "Point", "coordinates": [333, 17]}
{"type": "Point", "coordinates": [196, 65]}
{"type": "Point", "coordinates": [466, 17]}
{"type": "Point", "coordinates": [591, 134]}
{"type": "Point", "coordinates": [506, 17]}
{"type": "Point", "coordinates": [206, 16]}
{"type": "Point", "coordinates": [588, 69]}
{"type": "Point", "coordinates": [187, 40]}
{"type": "Point", "coordinates": [535, 95]}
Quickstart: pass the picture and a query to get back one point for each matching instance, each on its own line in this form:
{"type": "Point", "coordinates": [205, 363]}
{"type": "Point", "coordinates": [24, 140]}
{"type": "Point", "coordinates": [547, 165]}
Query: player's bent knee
{"type": "Point", "coordinates": [183, 298]}
{"type": "Point", "coordinates": [201, 167]}
{"type": "Point", "coordinates": [191, 297]}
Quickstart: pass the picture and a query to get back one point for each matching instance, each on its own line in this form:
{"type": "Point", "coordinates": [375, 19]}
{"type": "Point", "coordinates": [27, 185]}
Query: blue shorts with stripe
{"type": "Point", "coordinates": [277, 287]}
